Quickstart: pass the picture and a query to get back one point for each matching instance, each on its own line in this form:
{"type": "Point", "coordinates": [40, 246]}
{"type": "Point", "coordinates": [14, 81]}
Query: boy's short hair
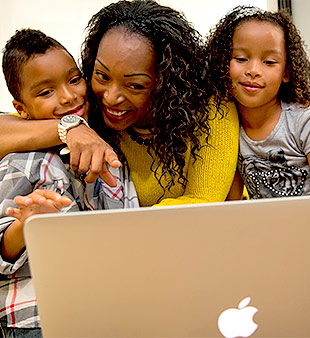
{"type": "Point", "coordinates": [24, 45]}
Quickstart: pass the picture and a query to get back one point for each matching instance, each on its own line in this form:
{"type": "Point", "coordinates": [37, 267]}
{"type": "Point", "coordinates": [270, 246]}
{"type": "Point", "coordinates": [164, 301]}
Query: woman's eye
{"type": "Point", "coordinates": [102, 76]}
{"type": "Point", "coordinates": [136, 86]}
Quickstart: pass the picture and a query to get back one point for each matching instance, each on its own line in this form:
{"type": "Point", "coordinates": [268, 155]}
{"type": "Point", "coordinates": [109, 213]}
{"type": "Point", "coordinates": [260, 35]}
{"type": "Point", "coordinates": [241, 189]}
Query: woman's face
{"type": "Point", "coordinates": [123, 79]}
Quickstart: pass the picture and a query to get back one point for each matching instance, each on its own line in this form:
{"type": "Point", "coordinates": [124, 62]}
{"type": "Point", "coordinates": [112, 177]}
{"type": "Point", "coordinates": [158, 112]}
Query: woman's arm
{"type": "Point", "coordinates": [87, 149]}
{"type": "Point", "coordinates": [19, 135]}
{"type": "Point", "coordinates": [211, 176]}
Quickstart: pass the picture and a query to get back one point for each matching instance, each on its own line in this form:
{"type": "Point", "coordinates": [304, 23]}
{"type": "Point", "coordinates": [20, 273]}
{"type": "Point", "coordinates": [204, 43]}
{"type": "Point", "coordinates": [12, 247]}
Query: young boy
{"type": "Point", "coordinates": [46, 83]}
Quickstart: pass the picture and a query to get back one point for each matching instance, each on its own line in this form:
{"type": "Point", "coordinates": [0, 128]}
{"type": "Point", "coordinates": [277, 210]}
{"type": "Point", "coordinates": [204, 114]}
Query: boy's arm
{"type": "Point", "coordinates": [37, 202]}
{"type": "Point", "coordinates": [12, 182]}
{"type": "Point", "coordinates": [87, 149]}
{"type": "Point", "coordinates": [12, 243]}
{"type": "Point", "coordinates": [19, 175]}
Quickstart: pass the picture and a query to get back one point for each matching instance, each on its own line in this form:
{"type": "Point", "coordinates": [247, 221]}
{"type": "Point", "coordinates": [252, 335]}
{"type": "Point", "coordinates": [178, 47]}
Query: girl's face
{"type": "Point", "coordinates": [52, 86]}
{"type": "Point", "coordinates": [123, 79]}
{"type": "Point", "coordinates": [258, 64]}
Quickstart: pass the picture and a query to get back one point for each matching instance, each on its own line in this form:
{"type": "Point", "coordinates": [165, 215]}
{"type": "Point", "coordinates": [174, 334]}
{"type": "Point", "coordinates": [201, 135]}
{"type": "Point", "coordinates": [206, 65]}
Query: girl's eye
{"type": "Point", "coordinates": [240, 59]}
{"type": "Point", "coordinates": [269, 62]}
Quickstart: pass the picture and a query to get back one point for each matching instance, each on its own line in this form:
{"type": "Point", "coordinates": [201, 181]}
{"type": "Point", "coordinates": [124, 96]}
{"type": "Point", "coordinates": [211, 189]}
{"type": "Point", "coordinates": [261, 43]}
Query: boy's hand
{"type": "Point", "coordinates": [38, 202]}
{"type": "Point", "coordinates": [89, 151]}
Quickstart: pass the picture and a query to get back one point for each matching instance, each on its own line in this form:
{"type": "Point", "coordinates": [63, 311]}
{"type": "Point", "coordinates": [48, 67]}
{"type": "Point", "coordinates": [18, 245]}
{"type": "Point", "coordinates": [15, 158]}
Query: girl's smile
{"type": "Point", "coordinates": [251, 86]}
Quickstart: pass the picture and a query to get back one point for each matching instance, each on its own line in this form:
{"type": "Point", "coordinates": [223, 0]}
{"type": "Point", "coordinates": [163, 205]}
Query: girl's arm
{"type": "Point", "coordinates": [87, 149]}
{"type": "Point", "coordinates": [236, 190]}
{"type": "Point", "coordinates": [308, 158]}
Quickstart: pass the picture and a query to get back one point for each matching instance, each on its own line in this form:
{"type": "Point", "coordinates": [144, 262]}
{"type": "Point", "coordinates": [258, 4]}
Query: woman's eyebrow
{"type": "Point", "coordinates": [103, 65]}
{"type": "Point", "coordinates": [138, 74]}
{"type": "Point", "coordinates": [127, 75]}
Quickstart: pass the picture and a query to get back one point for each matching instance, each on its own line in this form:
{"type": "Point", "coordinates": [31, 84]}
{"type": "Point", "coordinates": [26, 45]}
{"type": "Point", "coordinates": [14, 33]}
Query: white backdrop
{"type": "Point", "coordinates": [65, 21]}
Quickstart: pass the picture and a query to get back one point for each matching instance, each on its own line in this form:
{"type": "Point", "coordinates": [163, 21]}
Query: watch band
{"type": "Point", "coordinates": [63, 126]}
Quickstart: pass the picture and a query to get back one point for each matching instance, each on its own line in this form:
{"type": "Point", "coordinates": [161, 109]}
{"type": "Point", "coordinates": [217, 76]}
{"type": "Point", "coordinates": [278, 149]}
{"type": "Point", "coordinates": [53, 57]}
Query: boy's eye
{"type": "Point", "coordinates": [76, 79]}
{"type": "Point", "coordinates": [45, 93]}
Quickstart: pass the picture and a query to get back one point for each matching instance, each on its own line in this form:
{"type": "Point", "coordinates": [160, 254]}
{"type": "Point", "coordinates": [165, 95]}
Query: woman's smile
{"type": "Point", "coordinates": [124, 77]}
{"type": "Point", "coordinates": [116, 112]}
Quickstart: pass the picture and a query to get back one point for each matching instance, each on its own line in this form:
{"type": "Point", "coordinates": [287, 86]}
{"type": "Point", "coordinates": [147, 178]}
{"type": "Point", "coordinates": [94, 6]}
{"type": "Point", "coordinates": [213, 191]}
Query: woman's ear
{"type": "Point", "coordinates": [20, 108]}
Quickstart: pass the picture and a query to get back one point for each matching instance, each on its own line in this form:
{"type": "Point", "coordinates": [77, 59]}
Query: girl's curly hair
{"type": "Point", "coordinates": [219, 45]}
{"type": "Point", "coordinates": [179, 101]}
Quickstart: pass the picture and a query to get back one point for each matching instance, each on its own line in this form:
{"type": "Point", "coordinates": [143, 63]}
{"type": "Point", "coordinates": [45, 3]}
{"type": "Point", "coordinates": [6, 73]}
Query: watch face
{"type": "Point", "coordinates": [71, 119]}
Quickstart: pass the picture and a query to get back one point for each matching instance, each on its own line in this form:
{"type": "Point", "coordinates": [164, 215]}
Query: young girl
{"type": "Point", "coordinates": [258, 61]}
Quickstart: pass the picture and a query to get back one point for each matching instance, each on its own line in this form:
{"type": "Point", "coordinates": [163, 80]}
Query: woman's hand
{"type": "Point", "coordinates": [38, 202]}
{"type": "Point", "coordinates": [89, 151]}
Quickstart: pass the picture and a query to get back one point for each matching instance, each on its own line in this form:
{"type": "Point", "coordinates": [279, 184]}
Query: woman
{"type": "Point", "coordinates": [149, 93]}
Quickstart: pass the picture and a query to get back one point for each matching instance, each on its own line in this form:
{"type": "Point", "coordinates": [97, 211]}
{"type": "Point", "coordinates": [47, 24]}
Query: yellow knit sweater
{"type": "Point", "coordinates": [209, 178]}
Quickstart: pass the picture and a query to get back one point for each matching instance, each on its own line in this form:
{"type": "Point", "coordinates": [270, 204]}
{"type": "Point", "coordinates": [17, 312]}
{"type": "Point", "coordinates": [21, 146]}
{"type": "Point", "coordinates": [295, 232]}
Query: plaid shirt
{"type": "Point", "coordinates": [22, 173]}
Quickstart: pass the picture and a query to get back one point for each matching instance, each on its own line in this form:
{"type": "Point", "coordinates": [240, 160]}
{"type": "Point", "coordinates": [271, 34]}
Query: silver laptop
{"type": "Point", "coordinates": [234, 269]}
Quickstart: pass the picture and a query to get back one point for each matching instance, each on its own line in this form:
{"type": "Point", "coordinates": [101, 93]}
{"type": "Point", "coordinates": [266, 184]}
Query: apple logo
{"type": "Point", "coordinates": [238, 322]}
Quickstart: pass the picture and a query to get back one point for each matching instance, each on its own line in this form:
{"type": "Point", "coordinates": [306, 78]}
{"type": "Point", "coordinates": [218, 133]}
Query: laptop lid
{"type": "Point", "coordinates": [174, 271]}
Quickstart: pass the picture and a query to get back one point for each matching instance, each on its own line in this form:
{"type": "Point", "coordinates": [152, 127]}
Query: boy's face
{"type": "Point", "coordinates": [258, 63]}
{"type": "Point", "coordinates": [52, 86]}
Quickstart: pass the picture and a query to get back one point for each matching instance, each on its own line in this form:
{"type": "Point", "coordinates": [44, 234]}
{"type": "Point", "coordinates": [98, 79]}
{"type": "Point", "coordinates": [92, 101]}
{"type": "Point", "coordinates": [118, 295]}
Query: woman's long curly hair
{"type": "Point", "coordinates": [179, 101]}
{"type": "Point", "coordinates": [220, 41]}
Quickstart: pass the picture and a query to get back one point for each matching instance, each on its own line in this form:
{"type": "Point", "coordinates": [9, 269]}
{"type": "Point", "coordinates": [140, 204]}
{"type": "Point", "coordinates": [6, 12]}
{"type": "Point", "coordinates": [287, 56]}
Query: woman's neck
{"type": "Point", "coordinates": [259, 122]}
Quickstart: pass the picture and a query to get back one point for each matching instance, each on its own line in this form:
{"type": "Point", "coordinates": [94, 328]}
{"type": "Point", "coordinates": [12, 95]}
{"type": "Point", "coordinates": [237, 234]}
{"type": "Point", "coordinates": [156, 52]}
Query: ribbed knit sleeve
{"type": "Point", "coordinates": [208, 179]}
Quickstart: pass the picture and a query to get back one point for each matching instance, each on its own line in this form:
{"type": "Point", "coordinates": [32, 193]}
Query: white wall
{"type": "Point", "coordinates": [300, 13]}
{"type": "Point", "coordinates": [65, 21]}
